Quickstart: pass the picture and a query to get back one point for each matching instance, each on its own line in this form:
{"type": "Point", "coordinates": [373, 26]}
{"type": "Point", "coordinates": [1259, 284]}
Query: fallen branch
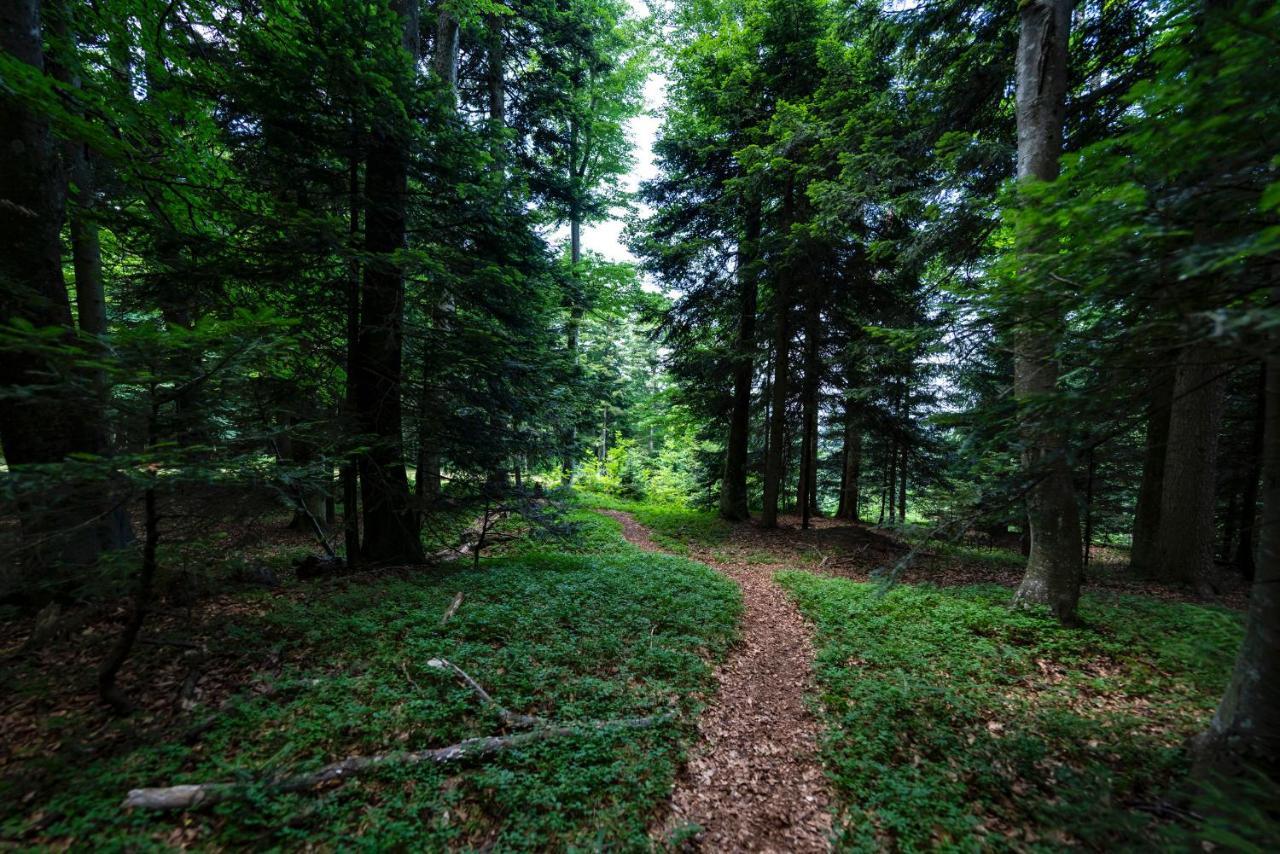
{"type": "Point", "coordinates": [513, 718]}
{"type": "Point", "coordinates": [201, 794]}
{"type": "Point", "coordinates": [452, 609]}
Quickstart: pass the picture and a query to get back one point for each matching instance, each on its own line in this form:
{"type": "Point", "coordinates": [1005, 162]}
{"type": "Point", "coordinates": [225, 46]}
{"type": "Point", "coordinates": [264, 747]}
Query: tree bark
{"type": "Point", "coordinates": [902, 485]}
{"type": "Point", "coordinates": [119, 654]}
{"type": "Point", "coordinates": [1246, 728]}
{"type": "Point", "coordinates": [495, 72]}
{"type": "Point", "coordinates": [806, 487]}
{"type": "Point", "coordinates": [1053, 573]}
{"type": "Point", "coordinates": [774, 469]}
{"type": "Point", "coordinates": [1248, 510]}
{"type": "Point", "coordinates": [572, 330]}
{"type": "Point", "coordinates": [445, 58]}
{"type": "Point", "coordinates": [733, 486]}
{"type": "Point", "coordinates": [891, 482]}
{"type": "Point", "coordinates": [1146, 517]}
{"type": "Point", "coordinates": [348, 473]}
{"type": "Point", "coordinates": [1184, 544]}
{"type": "Point", "coordinates": [850, 493]}
{"type": "Point", "coordinates": [390, 523]}
{"type": "Point", "coordinates": [48, 423]}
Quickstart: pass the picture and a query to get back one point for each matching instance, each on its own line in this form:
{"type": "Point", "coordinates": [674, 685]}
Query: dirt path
{"type": "Point", "coordinates": [754, 782]}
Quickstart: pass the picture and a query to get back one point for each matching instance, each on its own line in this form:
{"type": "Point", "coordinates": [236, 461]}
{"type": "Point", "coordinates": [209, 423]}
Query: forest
{"type": "Point", "coordinates": [640, 425]}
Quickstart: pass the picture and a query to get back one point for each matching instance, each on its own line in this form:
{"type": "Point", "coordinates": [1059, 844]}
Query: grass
{"type": "Point", "coordinates": [673, 528]}
{"type": "Point", "coordinates": [954, 721]}
{"type": "Point", "coordinates": [598, 631]}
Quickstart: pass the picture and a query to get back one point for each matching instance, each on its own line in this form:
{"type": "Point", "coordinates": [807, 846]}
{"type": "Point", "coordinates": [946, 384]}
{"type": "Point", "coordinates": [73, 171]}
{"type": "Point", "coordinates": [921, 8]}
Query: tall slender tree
{"type": "Point", "coordinates": [1053, 572]}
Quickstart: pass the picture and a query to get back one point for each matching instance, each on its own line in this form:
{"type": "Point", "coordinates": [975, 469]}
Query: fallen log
{"type": "Point", "coordinates": [196, 795]}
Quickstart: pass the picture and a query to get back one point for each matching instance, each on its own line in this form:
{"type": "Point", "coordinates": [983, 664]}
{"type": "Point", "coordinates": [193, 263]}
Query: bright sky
{"type": "Point", "coordinates": [606, 237]}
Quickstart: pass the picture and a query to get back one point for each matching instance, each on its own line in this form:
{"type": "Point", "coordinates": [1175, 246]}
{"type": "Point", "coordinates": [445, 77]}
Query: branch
{"type": "Point", "coordinates": [510, 717]}
{"type": "Point", "coordinates": [200, 794]}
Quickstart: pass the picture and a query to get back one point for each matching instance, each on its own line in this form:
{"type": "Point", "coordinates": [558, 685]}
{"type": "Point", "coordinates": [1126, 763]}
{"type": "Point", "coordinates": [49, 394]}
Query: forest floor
{"type": "Point", "coordinates": [252, 683]}
{"type": "Point", "coordinates": [948, 719]}
{"type": "Point", "coordinates": [926, 715]}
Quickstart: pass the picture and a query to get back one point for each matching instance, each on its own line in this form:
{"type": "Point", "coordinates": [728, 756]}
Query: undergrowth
{"type": "Point", "coordinates": [953, 720]}
{"type": "Point", "coordinates": [673, 528]}
{"type": "Point", "coordinates": [602, 631]}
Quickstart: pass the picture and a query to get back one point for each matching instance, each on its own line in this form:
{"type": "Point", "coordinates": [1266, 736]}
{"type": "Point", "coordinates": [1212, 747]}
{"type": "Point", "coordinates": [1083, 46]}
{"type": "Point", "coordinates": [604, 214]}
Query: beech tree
{"type": "Point", "coordinates": [1053, 567]}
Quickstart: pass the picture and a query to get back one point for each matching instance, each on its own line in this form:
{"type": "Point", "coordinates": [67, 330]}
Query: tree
{"type": "Point", "coordinates": [1053, 567]}
{"type": "Point", "coordinates": [390, 523]}
{"type": "Point", "coordinates": [43, 414]}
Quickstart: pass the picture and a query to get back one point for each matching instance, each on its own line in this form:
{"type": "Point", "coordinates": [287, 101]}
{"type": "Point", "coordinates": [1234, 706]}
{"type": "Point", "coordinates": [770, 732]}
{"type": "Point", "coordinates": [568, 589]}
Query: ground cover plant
{"type": "Point", "coordinates": [953, 720]}
{"type": "Point", "coordinates": [605, 632]}
{"type": "Point", "coordinates": [676, 528]}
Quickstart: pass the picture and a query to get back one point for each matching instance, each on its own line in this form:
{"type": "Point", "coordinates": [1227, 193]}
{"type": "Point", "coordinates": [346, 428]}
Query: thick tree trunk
{"type": "Point", "coordinates": [445, 58]}
{"type": "Point", "coordinates": [733, 486]}
{"type": "Point", "coordinates": [390, 523]}
{"type": "Point", "coordinates": [1184, 545]}
{"type": "Point", "coordinates": [1146, 518]}
{"type": "Point", "coordinates": [49, 423]}
{"type": "Point", "coordinates": [1246, 728]}
{"type": "Point", "coordinates": [1053, 572]}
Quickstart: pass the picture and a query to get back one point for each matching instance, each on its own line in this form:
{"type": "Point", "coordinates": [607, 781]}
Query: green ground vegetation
{"type": "Point", "coordinates": [952, 720]}
{"type": "Point", "coordinates": [597, 631]}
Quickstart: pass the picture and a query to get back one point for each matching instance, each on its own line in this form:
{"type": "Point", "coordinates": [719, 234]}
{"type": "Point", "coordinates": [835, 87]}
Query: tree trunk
{"type": "Point", "coordinates": [349, 471]}
{"type": "Point", "coordinates": [495, 73]}
{"type": "Point", "coordinates": [50, 423]}
{"type": "Point", "coordinates": [114, 529]}
{"type": "Point", "coordinates": [119, 654]}
{"type": "Point", "coordinates": [1088, 506]}
{"type": "Point", "coordinates": [808, 487]}
{"type": "Point", "coordinates": [850, 496]}
{"type": "Point", "coordinates": [1184, 544]}
{"type": "Point", "coordinates": [733, 486]}
{"type": "Point", "coordinates": [572, 330]}
{"type": "Point", "coordinates": [902, 486]}
{"type": "Point", "coordinates": [891, 482]}
{"type": "Point", "coordinates": [1146, 518]}
{"type": "Point", "coordinates": [773, 466]}
{"type": "Point", "coordinates": [390, 523]}
{"type": "Point", "coordinates": [1053, 573]}
{"type": "Point", "coordinates": [445, 58]}
{"type": "Point", "coordinates": [774, 469]}
{"type": "Point", "coordinates": [1246, 728]}
{"type": "Point", "coordinates": [1244, 558]}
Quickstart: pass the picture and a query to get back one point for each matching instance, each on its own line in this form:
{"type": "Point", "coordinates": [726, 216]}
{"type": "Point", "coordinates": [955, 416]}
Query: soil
{"type": "Point", "coordinates": [754, 782]}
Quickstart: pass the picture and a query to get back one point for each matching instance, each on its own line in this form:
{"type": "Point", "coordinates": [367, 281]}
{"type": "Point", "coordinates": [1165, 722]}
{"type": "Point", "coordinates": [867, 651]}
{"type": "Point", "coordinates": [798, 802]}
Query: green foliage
{"type": "Point", "coordinates": [952, 720]}
{"type": "Point", "coordinates": [675, 527]}
{"type": "Point", "coordinates": [604, 632]}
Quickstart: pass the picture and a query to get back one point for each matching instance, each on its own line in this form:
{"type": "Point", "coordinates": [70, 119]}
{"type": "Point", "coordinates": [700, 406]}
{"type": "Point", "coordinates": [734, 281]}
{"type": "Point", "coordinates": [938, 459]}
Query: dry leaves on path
{"type": "Point", "coordinates": [754, 781]}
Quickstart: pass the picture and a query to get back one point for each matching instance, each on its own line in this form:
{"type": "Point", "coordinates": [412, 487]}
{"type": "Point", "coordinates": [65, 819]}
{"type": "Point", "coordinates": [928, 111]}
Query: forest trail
{"type": "Point", "coordinates": [754, 781]}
